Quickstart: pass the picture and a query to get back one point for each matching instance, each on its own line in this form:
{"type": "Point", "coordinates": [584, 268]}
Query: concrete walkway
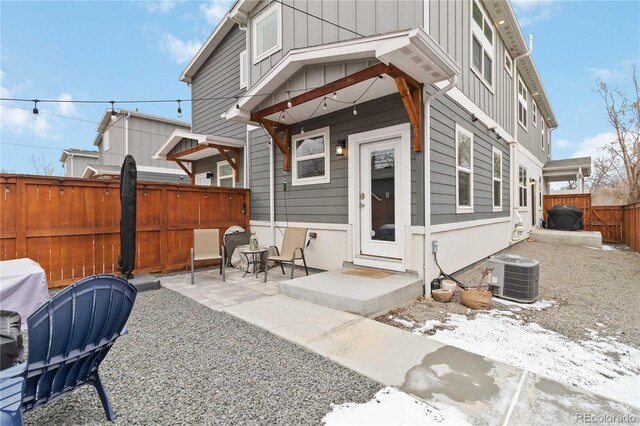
{"type": "Point", "coordinates": [486, 391]}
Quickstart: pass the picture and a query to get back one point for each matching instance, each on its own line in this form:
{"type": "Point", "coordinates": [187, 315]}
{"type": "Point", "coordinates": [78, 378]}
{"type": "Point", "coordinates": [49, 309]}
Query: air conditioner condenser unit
{"type": "Point", "coordinates": [514, 277]}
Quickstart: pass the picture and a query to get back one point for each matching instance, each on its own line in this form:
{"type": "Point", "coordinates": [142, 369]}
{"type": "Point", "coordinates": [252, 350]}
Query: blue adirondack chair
{"type": "Point", "coordinates": [69, 336]}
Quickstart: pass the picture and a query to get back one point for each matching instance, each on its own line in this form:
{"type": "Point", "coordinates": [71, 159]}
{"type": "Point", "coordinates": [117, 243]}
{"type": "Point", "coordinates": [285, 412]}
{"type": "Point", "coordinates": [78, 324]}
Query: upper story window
{"type": "Point", "coordinates": [464, 170]}
{"type": "Point", "coordinates": [534, 113]}
{"type": "Point", "coordinates": [244, 69]}
{"type": "Point", "coordinates": [543, 135]}
{"type": "Point", "coordinates": [226, 175]}
{"type": "Point", "coordinates": [482, 47]}
{"type": "Point", "coordinates": [548, 144]}
{"type": "Point", "coordinates": [267, 32]}
{"type": "Point", "coordinates": [311, 157]}
{"type": "Point", "coordinates": [522, 186]}
{"type": "Point", "coordinates": [522, 104]}
{"type": "Point", "coordinates": [105, 141]}
{"type": "Point", "coordinates": [508, 63]}
{"type": "Point", "coordinates": [497, 179]}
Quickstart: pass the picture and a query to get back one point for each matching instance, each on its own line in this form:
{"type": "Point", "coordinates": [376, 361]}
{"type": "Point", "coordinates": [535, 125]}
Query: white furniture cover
{"type": "Point", "coordinates": [23, 287]}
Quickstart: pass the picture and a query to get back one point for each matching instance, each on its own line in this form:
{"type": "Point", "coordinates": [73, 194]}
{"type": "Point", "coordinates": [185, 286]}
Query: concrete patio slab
{"type": "Point", "coordinates": [362, 295]}
{"type": "Point", "coordinates": [571, 238]}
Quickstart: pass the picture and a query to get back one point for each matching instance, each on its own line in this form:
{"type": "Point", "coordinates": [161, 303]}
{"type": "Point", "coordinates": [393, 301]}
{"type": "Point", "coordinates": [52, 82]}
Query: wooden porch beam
{"type": "Point", "coordinates": [180, 154]}
{"type": "Point", "coordinates": [412, 100]}
{"type": "Point", "coordinates": [319, 92]}
{"type": "Point", "coordinates": [283, 143]}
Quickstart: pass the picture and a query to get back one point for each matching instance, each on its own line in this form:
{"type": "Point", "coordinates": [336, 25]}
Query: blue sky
{"type": "Point", "coordinates": [137, 50]}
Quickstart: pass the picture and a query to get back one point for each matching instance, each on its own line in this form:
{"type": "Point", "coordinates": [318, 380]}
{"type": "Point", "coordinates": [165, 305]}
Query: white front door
{"type": "Point", "coordinates": [380, 198]}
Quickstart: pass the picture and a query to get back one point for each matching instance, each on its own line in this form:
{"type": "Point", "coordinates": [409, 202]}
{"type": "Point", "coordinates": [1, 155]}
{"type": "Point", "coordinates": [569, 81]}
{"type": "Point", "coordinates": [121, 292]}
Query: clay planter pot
{"type": "Point", "coordinates": [442, 296]}
{"type": "Point", "coordinates": [449, 285]}
{"type": "Point", "coordinates": [476, 298]}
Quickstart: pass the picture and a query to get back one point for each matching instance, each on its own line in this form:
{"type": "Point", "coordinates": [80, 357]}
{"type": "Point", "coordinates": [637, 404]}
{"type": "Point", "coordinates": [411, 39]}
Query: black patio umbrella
{"type": "Point", "coordinates": [128, 184]}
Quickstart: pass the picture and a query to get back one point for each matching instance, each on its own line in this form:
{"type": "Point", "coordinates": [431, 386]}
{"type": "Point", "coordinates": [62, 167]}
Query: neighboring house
{"type": "Point", "coordinates": [138, 134]}
{"type": "Point", "coordinates": [431, 124]}
{"type": "Point", "coordinates": [75, 161]}
{"type": "Point", "coordinates": [570, 171]}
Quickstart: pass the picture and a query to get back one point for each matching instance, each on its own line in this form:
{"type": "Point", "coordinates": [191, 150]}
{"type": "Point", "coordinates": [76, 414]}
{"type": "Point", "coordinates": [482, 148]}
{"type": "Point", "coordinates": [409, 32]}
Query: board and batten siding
{"type": "Point", "coordinates": [146, 136]}
{"type": "Point", "coordinates": [366, 17]}
{"type": "Point", "coordinates": [531, 138]}
{"type": "Point", "coordinates": [219, 76]}
{"type": "Point", "coordinates": [327, 203]}
{"type": "Point", "coordinates": [445, 113]}
{"type": "Point", "coordinates": [114, 156]}
{"type": "Point", "coordinates": [450, 26]}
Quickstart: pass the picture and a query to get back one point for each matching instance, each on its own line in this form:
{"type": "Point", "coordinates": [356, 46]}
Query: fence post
{"type": "Point", "coordinates": [164, 261]}
{"type": "Point", "coordinates": [21, 218]}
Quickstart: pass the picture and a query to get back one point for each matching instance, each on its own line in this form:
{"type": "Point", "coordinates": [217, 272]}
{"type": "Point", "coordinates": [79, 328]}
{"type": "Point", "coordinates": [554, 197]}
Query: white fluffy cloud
{"type": "Point", "coordinates": [214, 10]}
{"type": "Point", "coordinates": [181, 51]}
{"type": "Point", "coordinates": [162, 6]}
{"type": "Point", "coordinates": [593, 146]}
{"type": "Point", "coordinates": [66, 108]}
{"type": "Point", "coordinates": [530, 12]}
{"type": "Point", "coordinates": [19, 121]}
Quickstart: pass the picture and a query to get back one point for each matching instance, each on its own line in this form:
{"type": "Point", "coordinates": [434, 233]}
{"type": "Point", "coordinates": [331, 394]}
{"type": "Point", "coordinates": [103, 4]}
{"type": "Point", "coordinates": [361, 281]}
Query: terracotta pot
{"type": "Point", "coordinates": [443, 296]}
{"type": "Point", "coordinates": [449, 285]}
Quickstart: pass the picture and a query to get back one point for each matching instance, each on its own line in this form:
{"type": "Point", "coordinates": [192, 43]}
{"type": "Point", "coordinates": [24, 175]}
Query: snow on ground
{"type": "Point", "coordinates": [538, 305]}
{"type": "Point", "coordinates": [601, 365]}
{"type": "Point", "coordinates": [393, 407]}
{"type": "Point", "coordinates": [428, 326]}
{"type": "Point", "coordinates": [408, 324]}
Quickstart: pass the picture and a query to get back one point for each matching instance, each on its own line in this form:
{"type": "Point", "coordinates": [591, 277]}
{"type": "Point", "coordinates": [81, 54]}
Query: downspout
{"type": "Point", "coordinates": [426, 154]}
{"type": "Point", "coordinates": [516, 219]}
{"type": "Point", "coordinates": [272, 195]}
{"type": "Point", "coordinates": [126, 133]}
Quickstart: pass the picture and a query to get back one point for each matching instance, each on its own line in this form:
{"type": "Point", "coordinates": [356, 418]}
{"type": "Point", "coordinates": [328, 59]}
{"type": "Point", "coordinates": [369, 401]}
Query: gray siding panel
{"type": "Point", "coordinates": [445, 113]}
{"type": "Point", "coordinates": [116, 152]}
{"type": "Point", "coordinates": [327, 203]}
{"type": "Point", "coordinates": [145, 137]}
{"type": "Point", "coordinates": [367, 17]}
{"type": "Point", "coordinates": [219, 77]}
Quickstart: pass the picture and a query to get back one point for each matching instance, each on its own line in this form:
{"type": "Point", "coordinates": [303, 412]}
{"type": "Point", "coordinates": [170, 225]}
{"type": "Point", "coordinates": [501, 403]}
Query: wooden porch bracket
{"type": "Point", "coordinates": [412, 100]}
{"type": "Point", "coordinates": [224, 151]}
{"type": "Point", "coordinates": [282, 142]}
{"type": "Point", "coordinates": [189, 173]}
{"type": "Point", "coordinates": [233, 162]}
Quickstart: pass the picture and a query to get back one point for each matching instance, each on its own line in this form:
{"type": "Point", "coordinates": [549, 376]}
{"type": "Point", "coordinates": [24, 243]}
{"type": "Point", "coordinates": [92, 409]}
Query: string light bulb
{"type": "Point", "coordinates": [289, 104]}
{"type": "Point", "coordinates": [282, 116]}
{"type": "Point", "coordinates": [355, 111]}
{"type": "Point", "coordinates": [335, 95]}
{"type": "Point", "coordinates": [179, 110]}
{"type": "Point", "coordinates": [325, 103]}
{"type": "Point", "coordinates": [35, 109]}
{"type": "Point", "coordinates": [302, 129]}
{"type": "Point", "coordinates": [113, 112]}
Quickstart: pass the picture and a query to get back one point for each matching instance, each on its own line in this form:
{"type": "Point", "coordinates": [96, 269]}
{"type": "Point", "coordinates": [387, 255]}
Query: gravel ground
{"type": "Point", "coordinates": [589, 286]}
{"type": "Point", "coordinates": [184, 363]}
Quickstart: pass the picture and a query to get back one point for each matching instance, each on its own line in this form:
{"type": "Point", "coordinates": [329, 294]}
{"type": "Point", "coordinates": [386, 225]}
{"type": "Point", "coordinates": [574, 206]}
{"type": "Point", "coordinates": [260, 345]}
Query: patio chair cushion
{"type": "Point", "coordinates": [206, 244]}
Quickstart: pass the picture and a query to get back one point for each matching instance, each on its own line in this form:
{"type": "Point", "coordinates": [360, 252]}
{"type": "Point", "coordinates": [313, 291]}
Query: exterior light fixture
{"type": "Point", "coordinates": [355, 111]}
{"type": "Point", "coordinates": [35, 109]}
{"type": "Point", "coordinates": [113, 112]}
{"type": "Point", "coordinates": [237, 104]}
{"type": "Point", "coordinates": [179, 110]}
{"type": "Point", "coordinates": [501, 22]}
{"type": "Point", "coordinates": [474, 118]}
{"type": "Point", "coordinates": [341, 145]}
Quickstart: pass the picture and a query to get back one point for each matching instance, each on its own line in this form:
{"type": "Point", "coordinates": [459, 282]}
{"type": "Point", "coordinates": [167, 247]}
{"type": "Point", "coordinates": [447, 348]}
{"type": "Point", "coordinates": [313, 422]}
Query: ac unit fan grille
{"type": "Point", "coordinates": [520, 283]}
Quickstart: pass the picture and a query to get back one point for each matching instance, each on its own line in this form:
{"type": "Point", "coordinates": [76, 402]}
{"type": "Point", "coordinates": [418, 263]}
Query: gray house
{"type": "Point", "coordinates": [138, 134]}
{"type": "Point", "coordinates": [385, 128]}
{"type": "Point", "coordinates": [75, 161]}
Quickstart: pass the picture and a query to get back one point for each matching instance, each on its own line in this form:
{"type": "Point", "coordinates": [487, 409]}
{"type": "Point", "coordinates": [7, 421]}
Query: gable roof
{"type": "Point", "coordinates": [71, 152]}
{"type": "Point", "coordinates": [105, 121]}
{"type": "Point", "coordinates": [178, 135]}
{"type": "Point", "coordinates": [238, 14]}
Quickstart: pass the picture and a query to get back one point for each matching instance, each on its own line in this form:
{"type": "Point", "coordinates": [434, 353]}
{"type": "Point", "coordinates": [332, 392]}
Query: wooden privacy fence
{"type": "Point", "coordinates": [617, 224]}
{"type": "Point", "coordinates": [71, 227]}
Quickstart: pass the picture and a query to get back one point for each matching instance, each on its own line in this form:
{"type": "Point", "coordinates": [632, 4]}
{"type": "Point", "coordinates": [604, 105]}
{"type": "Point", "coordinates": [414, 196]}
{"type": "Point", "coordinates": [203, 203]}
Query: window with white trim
{"type": "Point", "coordinates": [267, 32]}
{"type": "Point", "coordinates": [244, 69]}
{"type": "Point", "coordinates": [508, 63]}
{"type": "Point", "coordinates": [202, 179]}
{"type": "Point", "coordinates": [482, 50]}
{"type": "Point", "coordinates": [542, 131]}
{"type": "Point", "coordinates": [522, 186]}
{"type": "Point", "coordinates": [105, 141]}
{"type": "Point", "coordinates": [522, 104]}
{"type": "Point", "coordinates": [226, 175]}
{"type": "Point", "coordinates": [311, 157]}
{"type": "Point", "coordinates": [534, 113]}
{"type": "Point", "coordinates": [464, 170]}
{"type": "Point", "coordinates": [497, 179]}
{"type": "Point", "coordinates": [548, 144]}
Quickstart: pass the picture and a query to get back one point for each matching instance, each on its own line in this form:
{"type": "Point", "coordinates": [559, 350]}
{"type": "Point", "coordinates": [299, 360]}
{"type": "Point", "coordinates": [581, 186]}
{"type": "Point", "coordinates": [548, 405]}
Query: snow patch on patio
{"type": "Point", "coordinates": [392, 407]}
{"type": "Point", "coordinates": [601, 364]}
{"type": "Point", "coordinates": [538, 305]}
{"type": "Point", "coordinates": [408, 324]}
{"type": "Point", "coordinates": [428, 326]}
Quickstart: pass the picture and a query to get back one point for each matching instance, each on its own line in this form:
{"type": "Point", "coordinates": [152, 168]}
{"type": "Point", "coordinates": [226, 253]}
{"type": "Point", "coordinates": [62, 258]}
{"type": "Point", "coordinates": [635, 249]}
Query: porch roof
{"type": "Point", "coordinates": [566, 169]}
{"type": "Point", "coordinates": [206, 145]}
{"type": "Point", "coordinates": [412, 51]}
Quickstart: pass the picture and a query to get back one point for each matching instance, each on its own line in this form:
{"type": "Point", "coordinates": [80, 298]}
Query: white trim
{"type": "Point", "coordinates": [543, 136]}
{"type": "Point", "coordinates": [219, 164]}
{"type": "Point", "coordinates": [380, 263]}
{"type": "Point", "coordinates": [167, 170]}
{"type": "Point", "coordinates": [524, 100]}
{"type": "Point", "coordinates": [526, 187]}
{"type": "Point", "coordinates": [529, 155]}
{"type": "Point", "coordinates": [244, 64]}
{"type": "Point", "coordinates": [105, 141]}
{"type": "Point", "coordinates": [444, 227]}
{"type": "Point", "coordinates": [175, 137]}
{"type": "Point", "coordinates": [487, 46]}
{"type": "Point", "coordinates": [273, 8]}
{"type": "Point", "coordinates": [326, 178]}
{"type": "Point", "coordinates": [460, 208]}
{"type": "Point", "coordinates": [493, 179]}
{"type": "Point", "coordinates": [534, 113]}
{"type": "Point", "coordinates": [465, 102]}
{"type": "Point", "coordinates": [353, 169]}
{"type": "Point", "coordinates": [509, 69]}
{"type": "Point", "coordinates": [310, 225]}
{"type": "Point", "coordinates": [202, 177]}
